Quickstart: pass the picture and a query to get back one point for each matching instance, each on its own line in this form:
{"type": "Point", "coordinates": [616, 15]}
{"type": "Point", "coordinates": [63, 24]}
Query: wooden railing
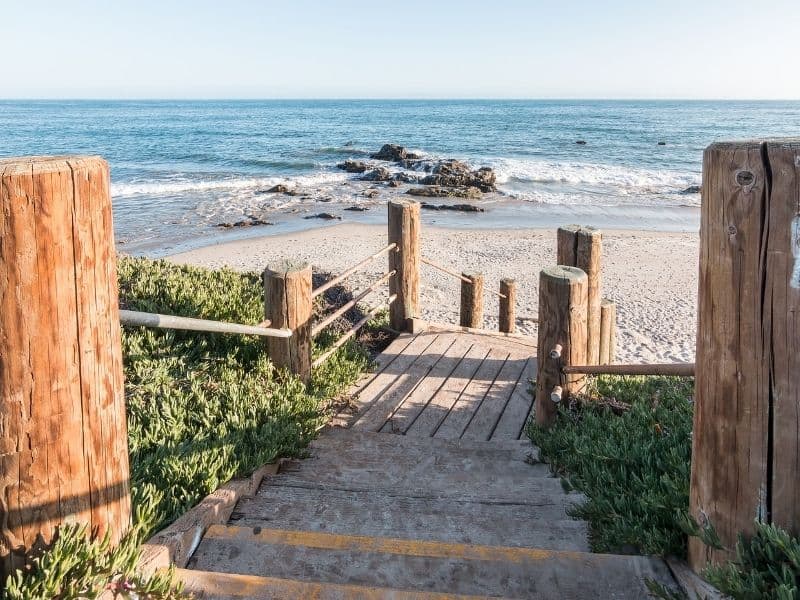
{"type": "Point", "coordinates": [145, 319]}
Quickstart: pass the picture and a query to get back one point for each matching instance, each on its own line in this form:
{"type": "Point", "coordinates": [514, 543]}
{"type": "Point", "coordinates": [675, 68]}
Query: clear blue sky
{"type": "Point", "coordinates": [400, 49]}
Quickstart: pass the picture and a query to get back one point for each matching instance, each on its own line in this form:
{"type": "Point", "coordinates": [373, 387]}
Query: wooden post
{"type": "Point", "coordinates": [288, 305]}
{"type": "Point", "coordinates": [588, 259]}
{"type": "Point", "coordinates": [508, 305]}
{"type": "Point", "coordinates": [472, 301]}
{"type": "Point", "coordinates": [404, 230]}
{"type": "Point", "coordinates": [567, 245]}
{"type": "Point", "coordinates": [608, 332]}
{"type": "Point", "coordinates": [745, 450]}
{"type": "Point", "coordinates": [63, 435]}
{"type": "Point", "coordinates": [563, 295]}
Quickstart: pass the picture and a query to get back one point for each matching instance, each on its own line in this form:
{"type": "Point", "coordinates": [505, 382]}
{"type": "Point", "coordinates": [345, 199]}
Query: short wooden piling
{"type": "Point", "coordinates": [472, 301]}
{"type": "Point", "coordinates": [563, 296]}
{"type": "Point", "coordinates": [63, 438]}
{"type": "Point", "coordinates": [288, 305]}
{"type": "Point", "coordinates": [745, 445]}
{"type": "Point", "coordinates": [588, 258]}
{"type": "Point", "coordinates": [404, 230]}
{"type": "Point", "coordinates": [567, 245]}
{"type": "Point", "coordinates": [608, 332]}
{"type": "Point", "coordinates": [508, 305]}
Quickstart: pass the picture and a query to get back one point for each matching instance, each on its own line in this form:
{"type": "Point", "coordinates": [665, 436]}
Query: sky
{"type": "Point", "coordinates": [410, 49]}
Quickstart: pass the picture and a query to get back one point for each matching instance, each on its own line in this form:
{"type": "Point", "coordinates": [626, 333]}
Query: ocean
{"type": "Point", "coordinates": [180, 169]}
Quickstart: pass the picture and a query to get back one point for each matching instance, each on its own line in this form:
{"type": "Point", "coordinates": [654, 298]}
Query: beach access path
{"type": "Point", "coordinates": [425, 487]}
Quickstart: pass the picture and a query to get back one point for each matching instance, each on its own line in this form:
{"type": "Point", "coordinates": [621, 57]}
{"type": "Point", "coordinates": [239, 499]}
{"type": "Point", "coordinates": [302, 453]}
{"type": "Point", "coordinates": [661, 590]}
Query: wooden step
{"type": "Point", "coordinates": [426, 566]}
{"type": "Point", "coordinates": [206, 585]}
{"type": "Point", "coordinates": [539, 520]}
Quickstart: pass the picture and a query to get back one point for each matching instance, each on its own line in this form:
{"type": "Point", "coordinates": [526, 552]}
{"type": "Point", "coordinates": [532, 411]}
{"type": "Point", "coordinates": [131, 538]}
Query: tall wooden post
{"type": "Point", "coordinates": [404, 230]}
{"type": "Point", "coordinates": [508, 305]}
{"type": "Point", "coordinates": [287, 304]}
{"type": "Point", "coordinates": [582, 247]}
{"type": "Point", "coordinates": [608, 332]}
{"type": "Point", "coordinates": [472, 301]}
{"type": "Point", "coordinates": [563, 295]}
{"type": "Point", "coordinates": [746, 448]}
{"type": "Point", "coordinates": [588, 259]}
{"type": "Point", "coordinates": [63, 437]}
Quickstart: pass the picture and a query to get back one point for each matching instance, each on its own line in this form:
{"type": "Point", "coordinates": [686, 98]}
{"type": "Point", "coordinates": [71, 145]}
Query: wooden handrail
{"type": "Point", "coordinates": [348, 305]}
{"type": "Point", "coordinates": [439, 267]}
{"type": "Point", "coordinates": [338, 279]}
{"type": "Point", "coordinates": [667, 369]}
{"type": "Point", "coordinates": [352, 331]}
{"type": "Point", "coordinates": [144, 319]}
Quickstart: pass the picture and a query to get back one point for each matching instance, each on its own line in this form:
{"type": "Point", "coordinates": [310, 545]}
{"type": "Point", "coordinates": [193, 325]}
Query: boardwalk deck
{"type": "Point", "coordinates": [448, 384]}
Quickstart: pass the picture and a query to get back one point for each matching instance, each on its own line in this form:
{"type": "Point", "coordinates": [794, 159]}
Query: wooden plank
{"type": "Point", "coordinates": [461, 414]}
{"type": "Point", "coordinates": [384, 406]}
{"type": "Point", "coordinates": [442, 402]}
{"type": "Point", "coordinates": [494, 403]}
{"type": "Point", "coordinates": [512, 421]}
{"type": "Point", "coordinates": [400, 362]}
{"type": "Point", "coordinates": [416, 401]}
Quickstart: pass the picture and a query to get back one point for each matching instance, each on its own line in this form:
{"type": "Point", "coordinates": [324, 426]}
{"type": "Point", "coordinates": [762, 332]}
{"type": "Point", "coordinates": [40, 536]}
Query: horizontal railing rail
{"type": "Point", "coordinates": [316, 329]}
{"type": "Point", "coordinates": [145, 319]}
{"type": "Point", "coordinates": [439, 267]}
{"type": "Point", "coordinates": [339, 278]}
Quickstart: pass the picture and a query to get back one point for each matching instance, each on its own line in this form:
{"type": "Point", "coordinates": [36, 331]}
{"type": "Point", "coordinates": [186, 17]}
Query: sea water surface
{"type": "Point", "coordinates": [180, 168]}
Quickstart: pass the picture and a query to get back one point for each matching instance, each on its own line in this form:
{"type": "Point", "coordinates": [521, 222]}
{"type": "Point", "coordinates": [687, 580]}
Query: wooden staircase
{"type": "Point", "coordinates": [387, 509]}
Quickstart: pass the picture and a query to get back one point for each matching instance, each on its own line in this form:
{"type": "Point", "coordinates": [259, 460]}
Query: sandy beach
{"type": "Point", "coordinates": [652, 276]}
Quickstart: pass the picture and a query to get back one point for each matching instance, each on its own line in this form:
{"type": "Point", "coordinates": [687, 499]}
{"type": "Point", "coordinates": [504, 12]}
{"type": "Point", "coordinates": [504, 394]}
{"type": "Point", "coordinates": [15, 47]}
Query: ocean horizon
{"type": "Point", "coordinates": [182, 168]}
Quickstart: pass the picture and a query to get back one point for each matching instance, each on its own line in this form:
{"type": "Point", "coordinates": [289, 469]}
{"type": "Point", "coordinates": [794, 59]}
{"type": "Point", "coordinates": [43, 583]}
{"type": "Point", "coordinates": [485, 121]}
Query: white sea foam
{"type": "Point", "coordinates": [622, 179]}
{"type": "Point", "coordinates": [222, 185]}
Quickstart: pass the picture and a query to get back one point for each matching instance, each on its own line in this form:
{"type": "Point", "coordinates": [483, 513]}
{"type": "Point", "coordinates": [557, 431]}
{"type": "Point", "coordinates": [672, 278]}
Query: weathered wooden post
{"type": "Point", "coordinates": [288, 305]}
{"type": "Point", "coordinates": [508, 305]}
{"type": "Point", "coordinates": [404, 230]}
{"type": "Point", "coordinates": [563, 296]}
{"type": "Point", "coordinates": [582, 247]}
{"type": "Point", "coordinates": [746, 448]}
{"type": "Point", "coordinates": [471, 314]}
{"type": "Point", "coordinates": [608, 332]}
{"type": "Point", "coordinates": [63, 435]}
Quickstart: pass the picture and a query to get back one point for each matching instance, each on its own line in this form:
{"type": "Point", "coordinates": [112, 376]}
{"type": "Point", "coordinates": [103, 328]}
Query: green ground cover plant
{"type": "Point", "coordinates": [202, 409]}
{"type": "Point", "coordinates": [627, 446]}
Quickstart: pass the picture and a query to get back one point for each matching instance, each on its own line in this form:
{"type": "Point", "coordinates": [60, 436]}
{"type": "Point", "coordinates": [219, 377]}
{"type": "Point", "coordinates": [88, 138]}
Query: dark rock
{"type": "Point", "coordinates": [436, 191]}
{"type": "Point", "coordinates": [457, 207]}
{"type": "Point", "coordinates": [581, 142]}
{"type": "Point", "coordinates": [277, 189]}
{"type": "Point", "coordinates": [326, 216]}
{"type": "Point", "coordinates": [692, 189]}
{"type": "Point", "coordinates": [325, 199]}
{"type": "Point", "coordinates": [393, 183]}
{"type": "Point", "coordinates": [353, 166]}
{"type": "Point", "coordinates": [662, 143]}
{"type": "Point", "coordinates": [406, 177]}
{"type": "Point", "coordinates": [454, 173]}
{"type": "Point", "coordinates": [394, 153]}
{"type": "Point", "coordinates": [379, 174]}
{"type": "Point", "coordinates": [250, 222]}
{"type": "Point", "coordinates": [371, 193]}
{"type": "Point", "coordinates": [292, 193]}
{"type": "Point", "coordinates": [357, 208]}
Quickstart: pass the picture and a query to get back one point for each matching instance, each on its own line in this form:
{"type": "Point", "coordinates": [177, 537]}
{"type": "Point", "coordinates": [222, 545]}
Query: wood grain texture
{"type": "Point", "coordinates": [563, 295]}
{"type": "Point", "coordinates": [746, 422]}
{"type": "Point", "coordinates": [508, 306]}
{"type": "Point", "coordinates": [608, 332]}
{"type": "Point", "coordinates": [288, 305]}
{"type": "Point", "coordinates": [404, 231]}
{"type": "Point", "coordinates": [567, 245]}
{"type": "Point", "coordinates": [471, 314]}
{"type": "Point", "coordinates": [588, 258]}
{"type": "Point", "coordinates": [63, 435]}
